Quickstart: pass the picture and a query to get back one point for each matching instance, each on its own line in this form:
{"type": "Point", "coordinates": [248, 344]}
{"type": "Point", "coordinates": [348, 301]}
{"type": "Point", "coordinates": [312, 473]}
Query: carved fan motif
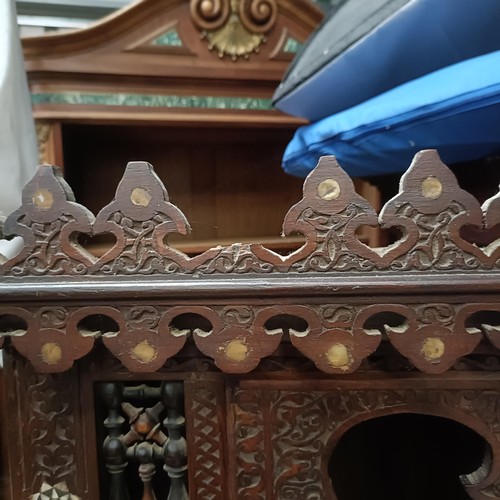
{"type": "Point", "coordinates": [234, 28]}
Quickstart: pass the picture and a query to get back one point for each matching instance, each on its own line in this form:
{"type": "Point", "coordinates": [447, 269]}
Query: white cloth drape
{"type": "Point", "coordinates": [18, 145]}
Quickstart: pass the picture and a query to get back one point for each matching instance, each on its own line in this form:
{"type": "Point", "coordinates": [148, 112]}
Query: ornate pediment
{"type": "Point", "coordinates": [170, 54]}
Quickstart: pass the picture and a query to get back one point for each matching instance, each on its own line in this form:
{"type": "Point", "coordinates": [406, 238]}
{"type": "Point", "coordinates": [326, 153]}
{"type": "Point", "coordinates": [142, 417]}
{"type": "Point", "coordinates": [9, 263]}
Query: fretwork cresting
{"type": "Point", "coordinates": [430, 211]}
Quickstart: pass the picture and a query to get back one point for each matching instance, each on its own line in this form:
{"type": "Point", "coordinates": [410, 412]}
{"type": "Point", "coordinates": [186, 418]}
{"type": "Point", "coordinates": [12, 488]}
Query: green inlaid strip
{"type": "Point", "coordinates": [169, 39]}
{"type": "Point", "coordinates": [292, 46]}
{"type": "Point", "coordinates": [153, 101]}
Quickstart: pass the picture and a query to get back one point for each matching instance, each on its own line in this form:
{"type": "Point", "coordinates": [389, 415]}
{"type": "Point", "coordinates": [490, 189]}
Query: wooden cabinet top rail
{"type": "Point", "coordinates": [433, 293]}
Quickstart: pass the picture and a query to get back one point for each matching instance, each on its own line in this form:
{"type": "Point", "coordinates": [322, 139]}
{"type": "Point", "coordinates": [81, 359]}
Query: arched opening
{"type": "Point", "coordinates": [285, 323]}
{"type": "Point", "coordinates": [191, 321]}
{"type": "Point", "coordinates": [407, 457]}
{"type": "Point", "coordinates": [97, 324]}
{"type": "Point", "coordinates": [10, 324]}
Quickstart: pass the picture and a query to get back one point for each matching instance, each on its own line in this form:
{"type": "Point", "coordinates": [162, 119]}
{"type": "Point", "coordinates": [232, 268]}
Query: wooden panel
{"type": "Point", "coordinates": [246, 206]}
{"type": "Point", "coordinates": [223, 65]}
{"type": "Point", "coordinates": [203, 219]}
{"type": "Point", "coordinates": [45, 438]}
{"type": "Point", "coordinates": [284, 432]}
{"type": "Point", "coordinates": [206, 436]}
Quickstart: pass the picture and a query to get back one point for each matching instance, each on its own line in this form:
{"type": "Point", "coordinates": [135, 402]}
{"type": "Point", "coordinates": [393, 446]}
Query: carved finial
{"type": "Point", "coordinates": [328, 216]}
{"type": "Point", "coordinates": [432, 209]}
{"type": "Point", "coordinates": [48, 221]}
{"type": "Point", "coordinates": [140, 217]}
{"type": "Point", "coordinates": [430, 186]}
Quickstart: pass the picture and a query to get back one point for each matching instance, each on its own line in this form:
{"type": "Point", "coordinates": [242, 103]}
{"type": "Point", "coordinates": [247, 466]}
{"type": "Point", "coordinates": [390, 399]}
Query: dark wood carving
{"type": "Point", "coordinates": [249, 446]}
{"type": "Point", "coordinates": [428, 302]}
{"type": "Point", "coordinates": [251, 364]}
{"type": "Point", "coordinates": [48, 423]}
{"type": "Point", "coordinates": [175, 449]}
{"type": "Point", "coordinates": [115, 450]}
{"type": "Point", "coordinates": [337, 338]}
{"type": "Point", "coordinates": [305, 426]}
{"type": "Point", "coordinates": [205, 429]}
{"type": "Point", "coordinates": [430, 211]}
{"type": "Point", "coordinates": [49, 220]}
{"type": "Point", "coordinates": [232, 29]}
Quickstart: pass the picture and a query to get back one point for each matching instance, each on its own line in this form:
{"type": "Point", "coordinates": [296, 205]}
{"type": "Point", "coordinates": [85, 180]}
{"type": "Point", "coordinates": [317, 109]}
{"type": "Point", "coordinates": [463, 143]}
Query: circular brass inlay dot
{"type": "Point", "coordinates": [432, 188]}
{"type": "Point", "coordinates": [140, 197]}
{"type": "Point", "coordinates": [51, 353]}
{"type": "Point", "coordinates": [433, 348]}
{"type": "Point", "coordinates": [329, 189]}
{"type": "Point", "coordinates": [237, 350]}
{"type": "Point", "coordinates": [339, 357]}
{"type": "Point", "coordinates": [143, 352]}
{"type": "Point", "coordinates": [43, 199]}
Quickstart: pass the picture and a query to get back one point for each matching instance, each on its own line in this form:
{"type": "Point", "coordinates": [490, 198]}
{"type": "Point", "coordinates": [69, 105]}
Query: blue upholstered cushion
{"type": "Point", "coordinates": [455, 110]}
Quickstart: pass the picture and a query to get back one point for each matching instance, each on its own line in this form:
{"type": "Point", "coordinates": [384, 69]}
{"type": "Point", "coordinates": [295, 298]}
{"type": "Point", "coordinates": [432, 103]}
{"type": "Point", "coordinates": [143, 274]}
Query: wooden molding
{"type": "Point", "coordinates": [334, 297]}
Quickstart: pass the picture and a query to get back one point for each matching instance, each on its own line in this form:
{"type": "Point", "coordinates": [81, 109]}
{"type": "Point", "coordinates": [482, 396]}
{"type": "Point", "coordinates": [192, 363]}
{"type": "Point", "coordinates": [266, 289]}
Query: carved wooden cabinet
{"type": "Point", "coordinates": [143, 362]}
{"type": "Point", "coordinates": [338, 371]}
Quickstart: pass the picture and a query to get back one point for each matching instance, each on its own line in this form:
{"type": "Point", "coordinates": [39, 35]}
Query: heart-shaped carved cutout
{"type": "Point", "coordinates": [286, 245]}
{"type": "Point", "coordinates": [97, 245]}
{"type": "Point", "coordinates": [483, 243]}
{"type": "Point", "coordinates": [287, 256]}
{"type": "Point", "coordinates": [400, 229]}
{"type": "Point", "coordinates": [378, 238]}
{"type": "Point", "coordinates": [9, 249]}
{"type": "Point", "coordinates": [479, 236]}
{"type": "Point", "coordinates": [117, 232]}
{"type": "Point", "coordinates": [82, 240]}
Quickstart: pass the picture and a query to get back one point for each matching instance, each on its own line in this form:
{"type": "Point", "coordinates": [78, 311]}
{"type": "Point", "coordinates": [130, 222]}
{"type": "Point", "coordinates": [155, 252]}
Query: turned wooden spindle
{"type": "Point", "coordinates": [144, 453]}
{"type": "Point", "coordinates": [115, 451]}
{"type": "Point", "coordinates": [175, 449]}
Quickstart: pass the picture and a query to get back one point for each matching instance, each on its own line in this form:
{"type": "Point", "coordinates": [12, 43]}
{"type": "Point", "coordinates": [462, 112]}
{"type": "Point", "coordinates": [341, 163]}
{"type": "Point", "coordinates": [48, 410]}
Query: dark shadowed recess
{"type": "Point", "coordinates": [406, 457]}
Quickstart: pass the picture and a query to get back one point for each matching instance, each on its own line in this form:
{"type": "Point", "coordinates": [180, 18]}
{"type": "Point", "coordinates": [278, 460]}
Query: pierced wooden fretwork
{"type": "Point", "coordinates": [305, 425]}
{"type": "Point", "coordinates": [247, 356]}
{"type": "Point", "coordinates": [431, 212]}
{"type": "Point", "coordinates": [205, 424]}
